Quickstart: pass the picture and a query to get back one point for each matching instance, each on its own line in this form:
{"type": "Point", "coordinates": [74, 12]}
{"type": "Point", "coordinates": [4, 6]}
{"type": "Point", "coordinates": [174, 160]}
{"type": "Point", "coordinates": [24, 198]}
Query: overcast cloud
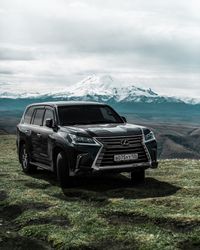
{"type": "Point", "coordinates": [50, 43]}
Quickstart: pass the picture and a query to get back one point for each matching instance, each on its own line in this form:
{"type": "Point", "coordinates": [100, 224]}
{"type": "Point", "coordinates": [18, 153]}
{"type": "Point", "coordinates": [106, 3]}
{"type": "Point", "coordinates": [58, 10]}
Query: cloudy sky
{"type": "Point", "coordinates": [50, 44]}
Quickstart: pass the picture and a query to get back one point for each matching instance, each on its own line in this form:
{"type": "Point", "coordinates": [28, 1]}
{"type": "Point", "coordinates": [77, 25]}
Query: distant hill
{"type": "Point", "coordinates": [3, 132]}
{"type": "Point", "coordinates": [177, 141]}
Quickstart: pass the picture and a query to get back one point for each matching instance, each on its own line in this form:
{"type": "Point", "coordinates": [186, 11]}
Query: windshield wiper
{"type": "Point", "coordinates": [88, 123]}
{"type": "Point", "coordinates": [99, 122]}
{"type": "Point", "coordinates": [75, 123]}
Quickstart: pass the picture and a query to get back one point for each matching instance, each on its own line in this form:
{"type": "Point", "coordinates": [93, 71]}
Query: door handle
{"type": "Point", "coordinates": [27, 132]}
{"type": "Point", "coordinates": [38, 134]}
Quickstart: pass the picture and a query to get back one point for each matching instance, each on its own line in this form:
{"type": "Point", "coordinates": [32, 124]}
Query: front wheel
{"type": "Point", "coordinates": [25, 160]}
{"type": "Point", "coordinates": [63, 171]}
{"type": "Point", "coordinates": [138, 176]}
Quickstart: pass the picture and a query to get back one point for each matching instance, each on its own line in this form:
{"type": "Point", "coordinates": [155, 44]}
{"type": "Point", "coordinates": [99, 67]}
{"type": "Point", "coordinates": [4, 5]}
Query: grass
{"type": "Point", "coordinates": [101, 212]}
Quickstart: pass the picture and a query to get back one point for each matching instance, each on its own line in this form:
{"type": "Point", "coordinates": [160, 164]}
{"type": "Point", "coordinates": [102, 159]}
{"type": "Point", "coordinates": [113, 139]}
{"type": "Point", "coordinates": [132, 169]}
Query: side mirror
{"type": "Point", "coordinates": [124, 118]}
{"type": "Point", "coordinates": [49, 123]}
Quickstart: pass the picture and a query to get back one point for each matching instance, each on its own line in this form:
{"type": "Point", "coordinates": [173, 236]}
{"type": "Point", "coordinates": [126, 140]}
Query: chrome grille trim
{"type": "Point", "coordinates": [146, 149]}
{"type": "Point", "coordinates": [145, 159]}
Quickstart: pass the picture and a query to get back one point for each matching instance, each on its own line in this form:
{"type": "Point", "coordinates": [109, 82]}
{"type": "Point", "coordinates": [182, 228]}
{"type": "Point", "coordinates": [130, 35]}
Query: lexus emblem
{"type": "Point", "coordinates": [125, 142]}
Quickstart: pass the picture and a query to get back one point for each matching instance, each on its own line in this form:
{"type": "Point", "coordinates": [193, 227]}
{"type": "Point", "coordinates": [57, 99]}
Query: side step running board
{"type": "Point", "coordinates": [41, 165]}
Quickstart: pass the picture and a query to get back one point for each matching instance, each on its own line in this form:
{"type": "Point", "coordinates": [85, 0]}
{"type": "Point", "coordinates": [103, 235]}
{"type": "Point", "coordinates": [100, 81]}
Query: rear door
{"type": "Point", "coordinates": [36, 134]}
{"type": "Point", "coordinates": [24, 128]}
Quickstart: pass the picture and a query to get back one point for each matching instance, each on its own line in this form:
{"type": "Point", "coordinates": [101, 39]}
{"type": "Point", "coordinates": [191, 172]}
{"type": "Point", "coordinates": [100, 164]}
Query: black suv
{"type": "Point", "coordinates": [72, 138]}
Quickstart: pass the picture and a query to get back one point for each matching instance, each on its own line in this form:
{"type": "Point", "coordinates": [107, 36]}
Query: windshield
{"type": "Point", "coordinates": [87, 114]}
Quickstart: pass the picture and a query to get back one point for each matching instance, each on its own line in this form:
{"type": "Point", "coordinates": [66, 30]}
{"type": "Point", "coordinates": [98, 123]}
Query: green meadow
{"type": "Point", "coordinates": [99, 212]}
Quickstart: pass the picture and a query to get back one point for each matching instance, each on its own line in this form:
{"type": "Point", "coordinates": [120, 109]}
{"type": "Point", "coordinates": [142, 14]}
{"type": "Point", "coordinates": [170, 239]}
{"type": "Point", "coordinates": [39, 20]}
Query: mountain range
{"type": "Point", "coordinates": [104, 89]}
{"type": "Point", "coordinates": [175, 121]}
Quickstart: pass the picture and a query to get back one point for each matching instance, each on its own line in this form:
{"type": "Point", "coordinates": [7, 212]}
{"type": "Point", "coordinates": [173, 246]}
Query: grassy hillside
{"type": "Point", "coordinates": [177, 140]}
{"type": "Point", "coordinates": [100, 213]}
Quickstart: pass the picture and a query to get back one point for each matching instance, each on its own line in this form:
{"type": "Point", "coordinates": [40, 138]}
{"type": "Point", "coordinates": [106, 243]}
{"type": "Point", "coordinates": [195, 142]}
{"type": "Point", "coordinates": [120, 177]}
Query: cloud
{"type": "Point", "coordinates": [153, 42]}
{"type": "Point", "coordinates": [11, 53]}
{"type": "Point", "coordinates": [6, 72]}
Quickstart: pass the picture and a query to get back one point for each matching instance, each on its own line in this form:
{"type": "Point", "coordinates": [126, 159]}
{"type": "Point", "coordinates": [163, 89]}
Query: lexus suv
{"type": "Point", "coordinates": [72, 138]}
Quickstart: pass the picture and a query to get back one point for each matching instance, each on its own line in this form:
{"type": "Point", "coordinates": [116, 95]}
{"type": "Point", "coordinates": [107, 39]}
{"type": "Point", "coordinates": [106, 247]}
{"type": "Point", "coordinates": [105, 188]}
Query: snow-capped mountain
{"type": "Point", "coordinates": [100, 88]}
{"type": "Point", "coordinates": [105, 88]}
{"type": "Point", "coordinates": [189, 100]}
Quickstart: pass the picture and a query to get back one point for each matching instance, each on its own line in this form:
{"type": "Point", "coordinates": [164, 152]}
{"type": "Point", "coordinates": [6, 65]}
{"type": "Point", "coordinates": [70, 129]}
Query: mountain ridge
{"type": "Point", "coordinates": [103, 88]}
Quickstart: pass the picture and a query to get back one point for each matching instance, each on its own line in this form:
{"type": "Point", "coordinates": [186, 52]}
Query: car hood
{"type": "Point", "coordinates": [106, 130]}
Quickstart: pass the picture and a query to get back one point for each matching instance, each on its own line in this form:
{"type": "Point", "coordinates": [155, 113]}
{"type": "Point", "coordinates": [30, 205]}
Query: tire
{"type": "Point", "coordinates": [138, 176]}
{"type": "Point", "coordinates": [62, 167]}
{"type": "Point", "coordinates": [25, 160]}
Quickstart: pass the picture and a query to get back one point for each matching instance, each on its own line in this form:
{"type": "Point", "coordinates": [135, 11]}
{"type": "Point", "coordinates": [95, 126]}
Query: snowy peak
{"type": "Point", "coordinates": [93, 85]}
{"type": "Point", "coordinates": [105, 80]}
{"type": "Point", "coordinates": [107, 87]}
{"type": "Point", "coordinates": [135, 91]}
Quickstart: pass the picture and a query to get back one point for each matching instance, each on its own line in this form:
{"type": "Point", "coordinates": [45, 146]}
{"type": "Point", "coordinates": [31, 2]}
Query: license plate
{"type": "Point", "coordinates": [125, 157]}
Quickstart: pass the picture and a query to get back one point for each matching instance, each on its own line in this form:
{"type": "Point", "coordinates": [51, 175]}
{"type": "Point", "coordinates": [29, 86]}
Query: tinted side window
{"type": "Point", "coordinates": [28, 115]}
{"type": "Point", "coordinates": [38, 117]}
{"type": "Point", "coordinates": [48, 115]}
{"type": "Point", "coordinates": [108, 114]}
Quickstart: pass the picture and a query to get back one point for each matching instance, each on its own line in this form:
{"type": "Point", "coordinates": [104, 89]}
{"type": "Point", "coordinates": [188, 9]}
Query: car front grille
{"type": "Point", "coordinates": [114, 146]}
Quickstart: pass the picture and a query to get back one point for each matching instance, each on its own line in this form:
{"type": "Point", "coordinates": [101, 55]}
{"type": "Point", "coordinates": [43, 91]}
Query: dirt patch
{"type": "Point", "coordinates": [23, 243]}
{"type": "Point", "coordinates": [111, 244]}
{"type": "Point", "coordinates": [35, 185]}
{"type": "Point", "coordinates": [35, 206]}
{"type": "Point", "coordinates": [167, 223]}
{"type": "Point", "coordinates": [189, 245]}
{"type": "Point", "coordinates": [9, 238]}
{"type": "Point", "coordinates": [54, 220]}
{"type": "Point", "coordinates": [10, 212]}
{"type": "Point", "coordinates": [176, 225]}
{"type": "Point", "coordinates": [77, 195]}
{"type": "Point", "coordinates": [120, 218]}
{"type": "Point", "coordinates": [3, 175]}
{"type": "Point", "coordinates": [3, 195]}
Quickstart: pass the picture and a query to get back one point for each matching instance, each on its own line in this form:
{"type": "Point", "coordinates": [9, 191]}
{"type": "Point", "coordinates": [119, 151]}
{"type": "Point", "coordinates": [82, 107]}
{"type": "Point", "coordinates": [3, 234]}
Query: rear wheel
{"type": "Point", "coordinates": [25, 160]}
{"type": "Point", "coordinates": [63, 175]}
{"type": "Point", "coordinates": [138, 176]}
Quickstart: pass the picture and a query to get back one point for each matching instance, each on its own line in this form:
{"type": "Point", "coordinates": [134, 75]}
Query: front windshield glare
{"type": "Point", "coordinates": [87, 114]}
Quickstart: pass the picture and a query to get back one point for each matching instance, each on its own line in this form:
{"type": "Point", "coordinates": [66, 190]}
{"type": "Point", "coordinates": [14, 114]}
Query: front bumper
{"type": "Point", "coordinates": [123, 167]}
{"type": "Point", "coordinates": [87, 158]}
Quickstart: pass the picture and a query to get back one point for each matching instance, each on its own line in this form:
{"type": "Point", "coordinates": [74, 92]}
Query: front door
{"type": "Point", "coordinates": [47, 140]}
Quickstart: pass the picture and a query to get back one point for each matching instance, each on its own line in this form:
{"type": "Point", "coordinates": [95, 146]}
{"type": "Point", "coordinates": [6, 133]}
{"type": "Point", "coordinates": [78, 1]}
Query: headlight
{"type": "Point", "coordinates": [81, 139]}
{"type": "Point", "coordinates": [149, 137]}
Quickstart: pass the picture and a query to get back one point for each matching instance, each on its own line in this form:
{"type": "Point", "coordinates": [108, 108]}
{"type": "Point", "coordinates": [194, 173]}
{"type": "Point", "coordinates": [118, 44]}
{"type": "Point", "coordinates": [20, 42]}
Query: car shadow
{"type": "Point", "coordinates": [103, 187]}
{"type": "Point", "coordinates": [42, 174]}
{"type": "Point", "coordinates": [120, 186]}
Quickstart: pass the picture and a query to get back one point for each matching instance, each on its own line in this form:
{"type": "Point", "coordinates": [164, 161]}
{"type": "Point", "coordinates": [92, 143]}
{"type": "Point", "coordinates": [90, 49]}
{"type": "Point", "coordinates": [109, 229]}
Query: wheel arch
{"type": "Point", "coordinates": [56, 150]}
{"type": "Point", "coordinates": [21, 142]}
